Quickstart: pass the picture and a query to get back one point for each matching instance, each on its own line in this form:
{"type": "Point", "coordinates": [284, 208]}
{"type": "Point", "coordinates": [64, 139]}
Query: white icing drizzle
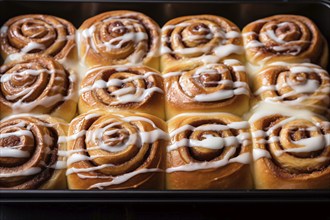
{"type": "Point", "coordinates": [238, 87]}
{"type": "Point", "coordinates": [303, 90]}
{"type": "Point", "coordinates": [93, 115]}
{"type": "Point", "coordinates": [263, 109]}
{"type": "Point", "coordinates": [123, 95]}
{"type": "Point", "coordinates": [123, 178]}
{"type": "Point", "coordinates": [32, 45]}
{"type": "Point", "coordinates": [15, 153]}
{"type": "Point", "coordinates": [95, 136]}
{"type": "Point", "coordinates": [212, 142]}
{"type": "Point", "coordinates": [28, 172]}
{"type": "Point", "coordinates": [273, 36]}
{"type": "Point", "coordinates": [311, 144]}
{"type": "Point", "coordinates": [260, 153]}
{"type": "Point", "coordinates": [211, 127]}
{"type": "Point", "coordinates": [65, 139]}
{"type": "Point", "coordinates": [17, 134]}
{"type": "Point", "coordinates": [220, 51]}
{"type": "Point", "coordinates": [47, 101]}
{"type": "Point", "coordinates": [242, 158]}
{"type": "Point", "coordinates": [280, 43]}
{"type": "Point", "coordinates": [89, 169]}
{"type": "Point", "coordinates": [59, 165]}
{"type": "Point", "coordinates": [116, 43]}
{"type": "Point", "coordinates": [3, 29]}
{"type": "Point", "coordinates": [223, 94]}
{"type": "Point", "coordinates": [76, 157]}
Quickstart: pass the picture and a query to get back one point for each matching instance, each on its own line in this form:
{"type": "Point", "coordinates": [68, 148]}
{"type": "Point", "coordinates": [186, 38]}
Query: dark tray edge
{"type": "Point", "coordinates": [165, 196]}
{"type": "Point", "coordinates": [325, 2]}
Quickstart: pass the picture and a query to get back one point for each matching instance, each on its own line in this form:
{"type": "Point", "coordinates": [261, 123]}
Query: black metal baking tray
{"type": "Point", "coordinates": [240, 12]}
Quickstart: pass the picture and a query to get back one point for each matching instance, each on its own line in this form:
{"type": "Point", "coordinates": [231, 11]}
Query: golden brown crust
{"type": "Point", "coordinates": [282, 166]}
{"type": "Point", "coordinates": [199, 39]}
{"type": "Point", "coordinates": [197, 167]}
{"type": "Point", "coordinates": [219, 87]}
{"type": "Point", "coordinates": [118, 38]}
{"type": "Point", "coordinates": [37, 84]}
{"type": "Point", "coordinates": [38, 34]}
{"type": "Point", "coordinates": [119, 161]}
{"type": "Point", "coordinates": [304, 86]}
{"type": "Point", "coordinates": [284, 38]}
{"type": "Point", "coordinates": [123, 88]}
{"type": "Point", "coordinates": [31, 152]}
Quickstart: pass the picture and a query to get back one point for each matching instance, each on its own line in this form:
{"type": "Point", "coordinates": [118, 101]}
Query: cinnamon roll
{"type": "Point", "coordinates": [286, 38]}
{"type": "Point", "coordinates": [210, 88]}
{"type": "Point", "coordinates": [37, 84]}
{"type": "Point", "coordinates": [123, 88]}
{"type": "Point", "coordinates": [291, 149]}
{"type": "Point", "coordinates": [197, 40]}
{"type": "Point", "coordinates": [303, 85]}
{"type": "Point", "coordinates": [32, 155]}
{"type": "Point", "coordinates": [116, 151]}
{"type": "Point", "coordinates": [38, 34]}
{"type": "Point", "coordinates": [208, 151]}
{"type": "Point", "coordinates": [119, 37]}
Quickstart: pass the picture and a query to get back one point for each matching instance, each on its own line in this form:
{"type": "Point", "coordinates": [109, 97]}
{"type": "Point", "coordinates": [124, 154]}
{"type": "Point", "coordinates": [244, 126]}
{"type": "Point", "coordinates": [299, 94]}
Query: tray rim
{"type": "Point", "coordinates": [164, 196]}
{"type": "Point", "coordinates": [324, 2]}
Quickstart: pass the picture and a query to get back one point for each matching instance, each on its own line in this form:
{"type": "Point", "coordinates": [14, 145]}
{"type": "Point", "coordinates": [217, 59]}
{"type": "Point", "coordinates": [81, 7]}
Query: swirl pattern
{"type": "Point", "coordinates": [119, 37]}
{"type": "Point", "coordinates": [37, 84]}
{"type": "Point", "coordinates": [286, 38]}
{"type": "Point", "coordinates": [41, 34]}
{"type": "Point", "coordinates": [116, 151]}
{"type": "Point", "coordinates": [199, 39]}
{"type": "Point", "coordinates": [30, 154]}
{"type": "Point", "coordinates": [208, 88]}
{"type": "Point", "coordinates": [291, 151]}
{"type": "Point", "coordinates": [122, 87]}
{"type": "Point", "coordinates": [297, 85]}
{"type": "Point", "coordinates": [208, 151]}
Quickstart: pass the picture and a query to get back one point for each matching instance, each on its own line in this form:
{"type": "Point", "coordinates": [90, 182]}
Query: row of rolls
{"type": "Point", "coordinates": [127, 37]}
{"type": "Point", "coordinates": [85, 109]}
{"type": "Point", "coordinates": [128, 150]}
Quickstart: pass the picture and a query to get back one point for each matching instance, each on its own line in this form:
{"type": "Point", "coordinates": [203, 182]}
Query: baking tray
{"type": "Point", "coordinates": [240, 12]}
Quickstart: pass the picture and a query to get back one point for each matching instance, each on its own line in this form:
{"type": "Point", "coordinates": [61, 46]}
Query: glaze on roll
{"type": "Point", "coordinates": [37, 34]}
{"type": "Point", "coordinates": [31, 155]}
{"type": "Point", "coordinates": [284, 38]}
{"type": "Point", "coordinates": [291, 148]}
{"type": "Point", "coordinates": [37, 84]}
{"type": "Point", "coordinates": [208, 151]}
{"type": "Point", "coordinates": [197, 40]}
{"type": "Point", "coordinates": [303, 85]}
{"type": "Point", "coordinates": [135, 88]}
{"type": "Point", "coordinates": [118, 38]}
{"type": "Point", "coordinates": [219, 87]}
{"type": "Point", "coordinates": [118, 150]}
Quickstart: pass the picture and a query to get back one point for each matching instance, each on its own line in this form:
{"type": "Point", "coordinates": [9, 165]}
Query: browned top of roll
{"type": "Point", "coordinates": [287, 37]}
{"type": "Point", "coordinates": [118, 150]}
{"type": "Point", "coordinates": [119, 37]}
{"type": "Point", "coordinates": [36, 33]}
{"type": "Point", "coordinates": [207, 86]}
{"type": "Point", "coordinates": [194, 36]}
{"type": "Point", "coordinates": [29, 151]}
{"type": "Point", "coordinates": [35, 84]}
{"type": "Point", "coordinates": [298, 147]}
{"type": "Point", "coordinates": [125, 87]}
